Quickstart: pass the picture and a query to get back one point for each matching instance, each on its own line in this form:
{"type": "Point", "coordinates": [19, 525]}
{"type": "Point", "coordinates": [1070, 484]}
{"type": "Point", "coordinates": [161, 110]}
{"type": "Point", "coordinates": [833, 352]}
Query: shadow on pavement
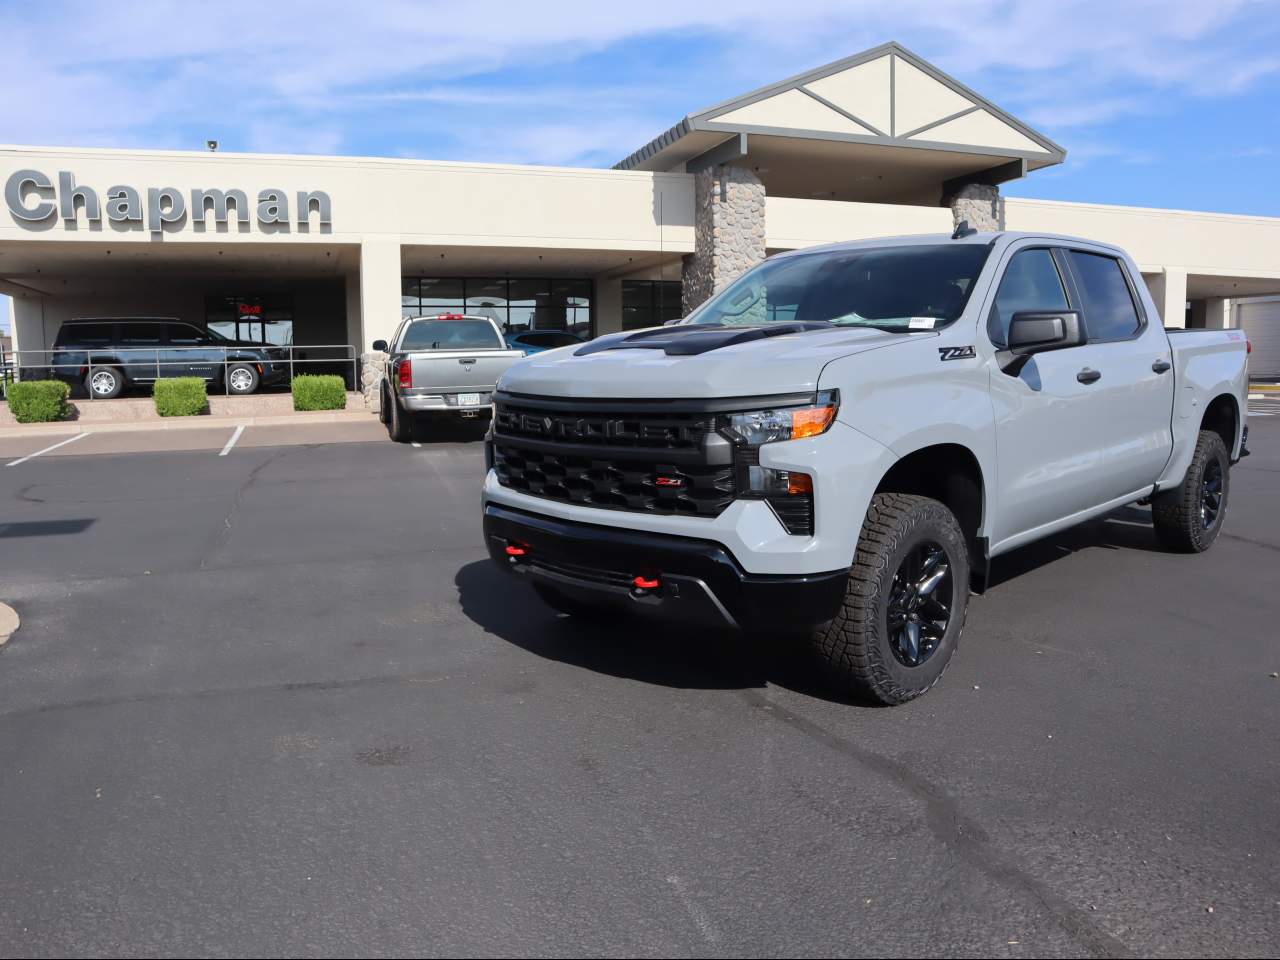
{"type": "Point", "coordinates": [658, 653]}
{"type": "Point", "coordinates": [1128, 528]}
{"type": "Point", "coordinates": [45, 528]}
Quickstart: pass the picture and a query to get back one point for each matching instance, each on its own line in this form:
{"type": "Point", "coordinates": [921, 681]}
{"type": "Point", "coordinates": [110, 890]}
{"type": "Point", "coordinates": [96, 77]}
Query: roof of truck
{"type": "Point", "coordinates": [929, 239]}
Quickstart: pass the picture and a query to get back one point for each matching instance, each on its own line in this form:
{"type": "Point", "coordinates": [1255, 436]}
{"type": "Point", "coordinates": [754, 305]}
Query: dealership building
{"type": "Point", "coordinates": [316, 251]}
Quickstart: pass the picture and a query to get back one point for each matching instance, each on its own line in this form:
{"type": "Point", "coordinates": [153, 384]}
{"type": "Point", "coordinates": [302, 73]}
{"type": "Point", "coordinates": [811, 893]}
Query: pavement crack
{"type": "Point", "coordinates": [220, 537]}
{"type": "Point", "coordinates": [959, 832]}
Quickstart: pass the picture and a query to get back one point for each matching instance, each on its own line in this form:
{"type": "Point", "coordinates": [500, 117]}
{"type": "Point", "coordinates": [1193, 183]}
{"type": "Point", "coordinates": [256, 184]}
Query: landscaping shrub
{"type": "Point", "coordinates": [181, 397]}
{"type": "Point", "coordinates": [39, 401]}
{"type": "Point", "coordinates": [319, 392]}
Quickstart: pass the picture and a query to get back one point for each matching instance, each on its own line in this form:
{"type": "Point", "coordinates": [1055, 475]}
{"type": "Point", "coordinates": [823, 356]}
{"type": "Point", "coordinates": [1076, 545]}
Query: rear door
{"type": "Point", "coordinates": [1134, 389]}
{"type": "Point", "coordinates": [139, 349]}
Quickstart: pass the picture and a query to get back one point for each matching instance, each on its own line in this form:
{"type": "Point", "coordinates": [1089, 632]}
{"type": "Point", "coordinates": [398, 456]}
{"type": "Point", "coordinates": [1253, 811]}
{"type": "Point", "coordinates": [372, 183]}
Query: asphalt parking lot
{"type": "Point", "coordinates": [278, 702]}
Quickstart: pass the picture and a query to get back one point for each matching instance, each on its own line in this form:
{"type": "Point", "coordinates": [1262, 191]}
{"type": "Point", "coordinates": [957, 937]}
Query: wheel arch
{"type": "Point", "coordinates": [951, 474]}
{"type": "Point", "coordinates": [1222, 416]}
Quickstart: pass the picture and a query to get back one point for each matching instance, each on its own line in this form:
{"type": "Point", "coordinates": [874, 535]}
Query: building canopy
{"type": "Point", "coordinates": [883, 125]}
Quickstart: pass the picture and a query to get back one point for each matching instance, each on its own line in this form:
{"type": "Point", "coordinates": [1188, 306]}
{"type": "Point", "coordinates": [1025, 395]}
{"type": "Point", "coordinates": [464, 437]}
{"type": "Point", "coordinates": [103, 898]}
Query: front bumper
{"type": "Point", "coordinates": [701, 582]}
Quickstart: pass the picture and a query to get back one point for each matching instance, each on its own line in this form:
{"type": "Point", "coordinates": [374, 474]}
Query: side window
{"type": "Point", "coordinates": [1030, 283]}
{"type": "Point", "coordinates": [184, 335]}
{"type": "Point", "coordinates": [1109, 311]}
{"type": "Point", "coordinates": [139, 334]}
{"type": "Point", "coordinates": [85, 334]}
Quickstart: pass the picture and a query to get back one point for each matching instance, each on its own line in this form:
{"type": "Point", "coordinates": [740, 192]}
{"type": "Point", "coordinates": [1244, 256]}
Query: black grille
{"type": "Point", "coordinates": [661, 431]}
{"type": "Point", "coordinates": [601, 480]}
{"type": "Point", "coordinates": [617, 455]}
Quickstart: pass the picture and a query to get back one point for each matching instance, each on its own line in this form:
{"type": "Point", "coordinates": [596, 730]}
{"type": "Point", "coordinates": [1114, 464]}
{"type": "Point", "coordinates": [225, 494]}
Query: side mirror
{"type": "Point", "coordinates": [380, 345]}
{"type": "Point", "coordinates": [1032, 332]}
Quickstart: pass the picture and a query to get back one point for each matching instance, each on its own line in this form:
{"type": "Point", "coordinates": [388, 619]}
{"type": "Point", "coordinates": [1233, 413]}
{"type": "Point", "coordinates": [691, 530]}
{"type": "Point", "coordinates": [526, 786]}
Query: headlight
{"type": "Point", "coordinates": [784, 423]}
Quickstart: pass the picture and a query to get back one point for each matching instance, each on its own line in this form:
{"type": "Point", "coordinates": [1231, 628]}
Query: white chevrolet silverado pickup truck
{"type": "Point", "coordinates": [837, 444]}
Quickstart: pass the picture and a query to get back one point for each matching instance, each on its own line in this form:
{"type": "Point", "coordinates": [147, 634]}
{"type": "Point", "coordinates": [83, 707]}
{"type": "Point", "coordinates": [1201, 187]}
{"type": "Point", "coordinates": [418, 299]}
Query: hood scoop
{"type": "Point", "coordinates": [691, 340]}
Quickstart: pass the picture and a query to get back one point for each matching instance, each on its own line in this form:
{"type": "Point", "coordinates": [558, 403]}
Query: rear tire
{"type": "Point", "coordinates": [399, 425]}
{"type": "Point", "coordinates": [104, 383]}
{"type": "Point", "coordinates": [905, 602]}
{"type": "Point", "coordinates": [1189, 517]}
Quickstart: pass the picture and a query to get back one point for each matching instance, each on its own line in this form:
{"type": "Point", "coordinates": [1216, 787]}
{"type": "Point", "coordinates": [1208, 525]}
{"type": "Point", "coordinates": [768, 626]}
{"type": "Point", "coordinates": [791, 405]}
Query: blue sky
{"type": "Point", "coordinates": [1170, 103]}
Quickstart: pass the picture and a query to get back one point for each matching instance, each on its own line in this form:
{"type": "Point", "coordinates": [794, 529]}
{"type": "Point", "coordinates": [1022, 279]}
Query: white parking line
{"type": "Point", "coordinates": [61, 443]}
{"type": "Point", "coordinates": [232, 442]}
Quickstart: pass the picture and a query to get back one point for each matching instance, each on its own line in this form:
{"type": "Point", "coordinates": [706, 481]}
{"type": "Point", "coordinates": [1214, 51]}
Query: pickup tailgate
{"type": "Point", "coordinates": [460, 371]}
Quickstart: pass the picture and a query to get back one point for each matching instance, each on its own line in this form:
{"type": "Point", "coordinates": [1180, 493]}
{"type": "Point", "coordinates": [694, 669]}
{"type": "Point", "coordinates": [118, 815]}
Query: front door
{"type": "Point", "coordinates": [1049, 451]}
{"type": "Point", "coordinates": [190, 353]}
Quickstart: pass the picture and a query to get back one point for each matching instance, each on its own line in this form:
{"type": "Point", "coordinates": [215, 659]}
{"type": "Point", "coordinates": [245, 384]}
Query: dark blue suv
{"type": "Point", "coordinates": [107, 354]}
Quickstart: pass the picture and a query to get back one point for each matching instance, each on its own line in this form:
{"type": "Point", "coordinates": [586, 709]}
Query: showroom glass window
{"type": "Point", "coordinates": [1109, 310]}
{"type": "Point", "coordinates": [267, 320]}
{"type": "Point", "coordinates": [650, 303]}
{"type": "Point", "coordinates": [516, 304]}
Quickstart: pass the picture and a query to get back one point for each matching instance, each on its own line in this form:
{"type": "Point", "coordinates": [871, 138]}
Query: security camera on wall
{"type": "Point", "coordinates": [211, 144]}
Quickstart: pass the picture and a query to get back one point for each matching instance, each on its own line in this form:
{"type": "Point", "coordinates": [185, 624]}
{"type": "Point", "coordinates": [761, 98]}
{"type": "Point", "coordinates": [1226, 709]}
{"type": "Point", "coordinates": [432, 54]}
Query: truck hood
{"type": "Point", "coordinates": [612, 369]}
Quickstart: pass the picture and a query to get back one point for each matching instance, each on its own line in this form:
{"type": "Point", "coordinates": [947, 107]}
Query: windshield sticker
{"type": "Point", "coordinates": [921, 323]}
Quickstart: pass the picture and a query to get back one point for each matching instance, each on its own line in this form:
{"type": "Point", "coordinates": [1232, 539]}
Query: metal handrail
{"type": "Point", "coordinates": [101, 357]}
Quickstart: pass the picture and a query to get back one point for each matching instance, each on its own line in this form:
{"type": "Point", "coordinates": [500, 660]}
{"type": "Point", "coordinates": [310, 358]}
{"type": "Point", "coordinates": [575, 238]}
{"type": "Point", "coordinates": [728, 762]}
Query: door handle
{"type": "Point", "coordinates": [1088, 376]}
{"type": "Point", "coordinates": [1162, 366]}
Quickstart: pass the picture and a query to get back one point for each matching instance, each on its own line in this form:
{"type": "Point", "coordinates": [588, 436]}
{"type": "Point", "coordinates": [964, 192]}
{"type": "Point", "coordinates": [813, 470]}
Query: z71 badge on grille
{"type": "Point", "coordinates": [957, 353]}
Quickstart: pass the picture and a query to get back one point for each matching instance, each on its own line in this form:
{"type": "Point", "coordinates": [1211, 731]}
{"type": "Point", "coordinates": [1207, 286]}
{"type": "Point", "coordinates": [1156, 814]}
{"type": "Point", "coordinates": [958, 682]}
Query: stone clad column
{"type": "Point", "coordinates": [980, 204]}
{"type": "Point", "coordinates": [728, 231]}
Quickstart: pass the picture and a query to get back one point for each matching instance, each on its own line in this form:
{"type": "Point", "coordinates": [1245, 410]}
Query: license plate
{"type": "Point", "coordinates": [468, 399]}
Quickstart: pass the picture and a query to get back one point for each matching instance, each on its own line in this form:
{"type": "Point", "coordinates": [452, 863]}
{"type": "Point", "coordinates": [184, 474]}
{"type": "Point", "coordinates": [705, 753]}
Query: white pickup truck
{"type": "Point", "coordinates": [443, 365]}
{"type": "Point", "coordinates": [837, 444]}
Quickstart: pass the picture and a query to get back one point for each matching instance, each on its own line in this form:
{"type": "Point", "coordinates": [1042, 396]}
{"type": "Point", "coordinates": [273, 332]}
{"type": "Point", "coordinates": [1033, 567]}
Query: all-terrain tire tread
{"type": "Point", "coordinates": [1175, 513]}
{"type": "Point", "coordinates": [848, 644]}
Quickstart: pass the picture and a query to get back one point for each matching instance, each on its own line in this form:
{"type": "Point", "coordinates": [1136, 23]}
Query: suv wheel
{"type": "Point", "coordinates": [1189, 517]}
{"type": "Point", "coordinates": [104, 383]}
{"type": "Point", "coordinates": [905, 603]}
{"type": "Point", "coordinates": [242, 379]}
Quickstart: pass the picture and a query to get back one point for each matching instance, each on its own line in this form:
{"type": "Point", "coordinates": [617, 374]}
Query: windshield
{"type": "Point", "coordinates": [450, 335]}
{"type": "Point", "coordinates": [895, 288]}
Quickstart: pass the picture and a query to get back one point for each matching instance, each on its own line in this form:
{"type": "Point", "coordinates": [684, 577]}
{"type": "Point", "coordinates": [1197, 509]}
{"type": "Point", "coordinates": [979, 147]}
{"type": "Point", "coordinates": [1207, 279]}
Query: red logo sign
{"type": "Point", "coordinates": [250, 309]}
{"type": "Point", "coordinates": [669, 481]}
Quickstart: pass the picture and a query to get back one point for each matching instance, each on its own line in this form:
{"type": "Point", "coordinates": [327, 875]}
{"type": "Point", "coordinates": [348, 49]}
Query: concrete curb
{"type": "Point", "coordinates": [68, 427]}
{"type": "Point", "coordinates": [9, 623]}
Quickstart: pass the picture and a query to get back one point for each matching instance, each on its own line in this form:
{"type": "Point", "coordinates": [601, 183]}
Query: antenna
{"type": "Point", "coordinates": [963, 230]}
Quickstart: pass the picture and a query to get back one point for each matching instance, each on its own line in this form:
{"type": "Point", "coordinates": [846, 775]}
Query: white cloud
{"type": "Point", "coordinates": [134, 73]}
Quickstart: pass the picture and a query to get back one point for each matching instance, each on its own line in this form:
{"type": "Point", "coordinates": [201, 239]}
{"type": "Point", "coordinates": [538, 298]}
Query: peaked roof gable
{"type": "Point", "coordinates": [885, 95]}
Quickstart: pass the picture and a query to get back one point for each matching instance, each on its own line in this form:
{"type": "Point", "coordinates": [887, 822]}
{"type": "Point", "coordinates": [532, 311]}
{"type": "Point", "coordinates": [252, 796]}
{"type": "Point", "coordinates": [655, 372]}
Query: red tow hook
{"type": "Point", "coordinates": [515, 551]}
{"type": "Point", "coordinates": [643, 584]}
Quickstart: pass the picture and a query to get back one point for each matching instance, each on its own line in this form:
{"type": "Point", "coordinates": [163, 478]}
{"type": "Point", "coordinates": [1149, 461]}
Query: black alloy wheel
{"type": "Point", "coordinates": [920, 600]}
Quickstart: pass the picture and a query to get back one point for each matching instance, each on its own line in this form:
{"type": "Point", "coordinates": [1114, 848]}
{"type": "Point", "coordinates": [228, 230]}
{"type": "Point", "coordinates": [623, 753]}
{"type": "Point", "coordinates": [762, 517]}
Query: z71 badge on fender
{"type": "Point", "coordinates": [956, 353]}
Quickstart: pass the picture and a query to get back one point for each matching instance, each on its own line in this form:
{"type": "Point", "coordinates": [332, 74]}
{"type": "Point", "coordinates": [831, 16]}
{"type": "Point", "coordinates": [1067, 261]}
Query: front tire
{"type": "Point", "coordinates": [905, 602]}
{"type": "Point", "coordinates": [1189, 517]}
{"type": "Point", "coordinates": [242, 379]}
